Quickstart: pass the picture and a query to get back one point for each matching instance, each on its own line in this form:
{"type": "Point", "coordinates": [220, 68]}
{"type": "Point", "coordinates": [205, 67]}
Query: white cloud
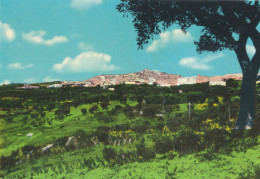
{"type": "Point", "coordinates": [199, 64]}
{"type": "Point", "coordinates": [250, 49]}
{"type": "Point", "coordinates": [5, 82]}
{"type": "Point", "coordinates": [50, 79]}
{"type": "Point", "coordinates": [86, 62]}
{"type": "Point", "coordinates": [36, 37]}
{"type": "Point", "coordinates": [84, 4]}
{"type": "Point", "coordinates": [19, 66]}
{"type": "Point", "coordinates": [84, 46]}
{"type": "Point", "coordinates": [6, 32]}
{"type": "Point", "coordinates": [169, 37]}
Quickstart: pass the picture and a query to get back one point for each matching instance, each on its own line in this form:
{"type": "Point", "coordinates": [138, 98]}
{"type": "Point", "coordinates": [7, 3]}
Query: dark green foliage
{"type": "Point", "coordinates": [84, 111]}
{"type": "Point", "coordinates": [104, 104]}
{"type": "Point", "coordinates": [61, 141]}
{"type": "Point", "coordinates": [103, 137]}
{"type": "Point", "coordinates": [145, 152]}
{"type": "Point", "coordinates": [129, 111]}
{"type": "Point", "coordinates": [109, 154]}
{"type": "Point", "coordinates": [168, 108]}
{"type": "Point", "coordinates": [93, 108]}
{"type": "Point", "coordinates": [163, 145]}
{"type": "Point", "coordinates": [231, 83]}
{"type": "Point", "coordinates": [7, 162]}
{"type": "Point", "coordinates": [160, 126]}
{"type": "Point", "coordinates": [9, 118]}
{"type": "Point", "coordinates": [186, 142]}
{"type": "Point", "coordinates": [28, 149]}
{"type": "Point", "coordinates": [101, 117]}
{"type": "Point", "coordinates": [63, 110]}
{"type": "Point", "coordinates": [34, 115]}
{"type": "Point", "coordinates": [25, 119]}
{"type": "Point", "coordinates": [174, 123]}
{"type": "Point", "coordinates": [150, 110]}
{"type": "Point", "coordinates": [122, 127]}
{"type": "Point", "coordinates": [118, 107]}
{"type": "Point", "coordinates": [112, 112]}
{"type": "Point", "coordinates": [140, 128]}
{"type": "Point", "coordinates": [43, 114]}
{"type": "Point", "coordinates": [50, 106]}
{"type": "Point", "coordinates": [215, 138]}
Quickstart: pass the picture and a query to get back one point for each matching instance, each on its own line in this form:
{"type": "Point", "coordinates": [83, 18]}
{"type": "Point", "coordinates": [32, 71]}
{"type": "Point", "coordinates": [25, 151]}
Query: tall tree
{"type": "Point", "coordinates": [219, 20]}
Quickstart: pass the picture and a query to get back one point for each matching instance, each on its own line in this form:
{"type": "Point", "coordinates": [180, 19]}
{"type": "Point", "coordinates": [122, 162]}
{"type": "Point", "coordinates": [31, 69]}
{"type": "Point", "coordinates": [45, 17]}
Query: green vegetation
{"type": "Point", "coordinates": [134, 131]}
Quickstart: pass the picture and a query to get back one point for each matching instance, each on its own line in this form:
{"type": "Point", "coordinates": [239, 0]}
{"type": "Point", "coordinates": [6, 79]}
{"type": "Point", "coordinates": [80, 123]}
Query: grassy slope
{"type": "Point", "coordinates": [234, 165]}
{"type": "Point", "coordinates": [43, 135]}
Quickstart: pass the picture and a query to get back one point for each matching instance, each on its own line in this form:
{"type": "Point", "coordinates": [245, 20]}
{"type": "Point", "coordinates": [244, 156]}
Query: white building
{"type": "Point", "coordinates": [222, 83]}
{"type": "Point", "coordinates": [55, 86]}
{"type": "Point", "coordinates": [187, 80]}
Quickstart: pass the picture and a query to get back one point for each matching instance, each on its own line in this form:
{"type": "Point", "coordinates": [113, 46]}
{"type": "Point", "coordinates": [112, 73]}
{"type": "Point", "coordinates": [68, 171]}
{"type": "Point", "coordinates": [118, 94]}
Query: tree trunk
{"type": "Point", "coordinates": [247, 100]}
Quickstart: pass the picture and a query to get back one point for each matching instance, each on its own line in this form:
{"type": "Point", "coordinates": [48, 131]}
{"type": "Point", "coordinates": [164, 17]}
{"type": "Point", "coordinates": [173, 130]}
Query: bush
{"type": "Point", "coordinates": [128, 111]}
{"type": "Point", "coordinates": [122, 127]}
{"type": "Point", "coordinates": [140, 128]}
{"type": "Point", "coordinates": [104, 104]}
{"type": "Point", "coordinates": [109, 154]}
{"type": "Point", "coordinates": [103, 137]}
{"type": "Point", "coordinates": [150, 111]}
{"type": "Point", "coordinates": [168, 108]}
{"type": "Point", "coordinates": [174, 123]}
{"type": "Point", "coordinates": [118, 107]}
{"type": "Point", "coordinates": [93, 108]}
{"type": "Point", "coordinates": [112, 112]}
{"type": "Point", "coordinates": [216, 138]}
{"type": "Point", "coordinates": [163, 145]}
{"type": "Point", "coordinates": [103, 118]}
{"type": "Point", "coordinates": [61, 141]}
{"type": "Point", "coordinates": [84, 111]}
{"type": "Point", "coordinates": [144, 152]}
{"type": "Point", "coordinates": [34, 115]}
{"type": "Point", "coordinates": [50, 106]}
{"type": "Point", "coordinates": [186, 142]}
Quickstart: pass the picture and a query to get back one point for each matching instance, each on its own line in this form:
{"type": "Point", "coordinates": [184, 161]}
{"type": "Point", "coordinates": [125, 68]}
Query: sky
{"type": "Point", "coordinates": [50, 40]}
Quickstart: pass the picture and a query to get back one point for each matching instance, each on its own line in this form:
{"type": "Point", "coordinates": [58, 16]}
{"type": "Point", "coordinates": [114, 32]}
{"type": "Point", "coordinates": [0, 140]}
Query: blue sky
{"type": "Point", "coordinates": [78, 39]}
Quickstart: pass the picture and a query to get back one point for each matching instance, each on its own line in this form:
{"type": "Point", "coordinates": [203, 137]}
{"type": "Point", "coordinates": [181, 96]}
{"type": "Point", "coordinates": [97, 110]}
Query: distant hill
{"type": "Point", "coordinates": [148, 76]}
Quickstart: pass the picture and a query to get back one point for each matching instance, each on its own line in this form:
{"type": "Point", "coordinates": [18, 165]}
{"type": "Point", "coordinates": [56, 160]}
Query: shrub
{"type": "Point", "coordinates": [109, 154]}
{"type": "Point", "coordinates": [112, 112]}
{"type": "Point", "coordinates": [34, 115]}
{"type": "Point", "coordinates": [163, 145]}
{"type": "Point", "coordinates": [50, 106]}
{"type": "Point", "coordinates": [168, 108]}
{"type": "Point", "coordinates": [103, 137]}
{"type": "Point", "coordinates": [144, 152]}
{"type": "Point", "coordinates": [84, 111]}
{"type": "Point", "coordinates": [101, 117]}
{"type": "Point", "coordinates": [216, 138]}
{"type": "Point", "coordinates": [122, 127]}
{"type": "Point", "coordinates": [118, 107]}
{"type": "Point", "coordinates": [150, 111]}
{"type": "Point", "coordinates": [140, 128]}
{"type": "Point", "coordinates": [186, 142]}
{"type": "Point", "coordinates": [93, 108]}
{"type": "Point", "coordinates": [128, 111]}
{"type": "Point", "coordinates": [104, 104]}
{"type": "Point", "coordinates": [61, 141]}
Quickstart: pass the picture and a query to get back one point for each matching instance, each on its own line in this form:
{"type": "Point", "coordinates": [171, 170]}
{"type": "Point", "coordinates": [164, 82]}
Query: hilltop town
{"type": "Point", "coordinates": [146, 76]}
{"type": "Point", "coordinates": [152, 77]}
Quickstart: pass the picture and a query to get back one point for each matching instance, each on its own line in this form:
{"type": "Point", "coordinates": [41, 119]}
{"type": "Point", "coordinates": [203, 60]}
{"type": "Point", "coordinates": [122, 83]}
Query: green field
{"type": "Point", "coordinates": [132, 132]}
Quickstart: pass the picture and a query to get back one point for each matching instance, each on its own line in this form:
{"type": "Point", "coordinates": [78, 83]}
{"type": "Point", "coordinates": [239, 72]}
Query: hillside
{"type": "Point", "coordinates": [151, 77]}
{"type": "Point", "coordinates": [133, 131]}
{"type": "Point", "coordinates": [145, 76]}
